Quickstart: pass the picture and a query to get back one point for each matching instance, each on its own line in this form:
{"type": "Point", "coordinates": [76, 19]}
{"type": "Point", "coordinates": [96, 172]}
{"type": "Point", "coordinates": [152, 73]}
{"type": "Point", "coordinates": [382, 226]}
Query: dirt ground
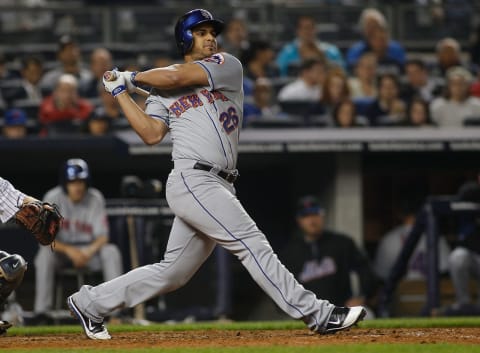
{"type": "Point", "coordinates": [234, 338]}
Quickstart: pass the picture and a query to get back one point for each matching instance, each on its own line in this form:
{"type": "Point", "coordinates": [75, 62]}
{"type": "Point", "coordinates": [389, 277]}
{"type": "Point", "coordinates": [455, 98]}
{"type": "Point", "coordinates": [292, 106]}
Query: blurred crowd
{"type": "Point", "coordinates": [306, 82]}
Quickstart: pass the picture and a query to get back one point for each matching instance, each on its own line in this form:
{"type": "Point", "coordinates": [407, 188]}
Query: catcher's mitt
{"type": "Point", "coordinates": [42, 219]}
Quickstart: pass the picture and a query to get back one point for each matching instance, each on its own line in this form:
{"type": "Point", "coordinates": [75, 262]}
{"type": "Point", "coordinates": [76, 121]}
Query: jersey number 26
{"type": "Point", "coordinates": [230, 120]}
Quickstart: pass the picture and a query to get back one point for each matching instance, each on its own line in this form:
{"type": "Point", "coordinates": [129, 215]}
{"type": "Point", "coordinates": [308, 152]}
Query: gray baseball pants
{"type": "Point", "coordinates": [108, 260]}
{"type": "Point", "coordinates": [207, 212]}
{"type": "Point", "coordinates": [463, 264]}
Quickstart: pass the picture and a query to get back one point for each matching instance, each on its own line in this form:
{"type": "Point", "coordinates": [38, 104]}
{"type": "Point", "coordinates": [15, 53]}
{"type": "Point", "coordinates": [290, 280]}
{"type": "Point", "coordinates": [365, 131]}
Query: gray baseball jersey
{"type": "Point", "coordinates": [391, 245]}
{"type": "Point", "coordinates": [10, 199]}
{"type": "Point", "coordinates": [204, 124]}
{"type": "Point", "coordinates": [83, 221]}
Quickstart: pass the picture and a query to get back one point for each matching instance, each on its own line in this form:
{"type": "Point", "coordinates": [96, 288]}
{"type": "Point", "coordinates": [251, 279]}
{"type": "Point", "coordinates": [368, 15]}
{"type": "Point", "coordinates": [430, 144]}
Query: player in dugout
{"type": "Point", "coordinates": [200, 102]}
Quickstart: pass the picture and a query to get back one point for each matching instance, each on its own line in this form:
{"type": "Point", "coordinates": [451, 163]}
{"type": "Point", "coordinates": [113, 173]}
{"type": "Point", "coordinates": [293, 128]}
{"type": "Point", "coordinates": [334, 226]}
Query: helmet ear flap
{"type": "Point", "coordinates": [180, 34]}
{"type": "Point", "coordinates": [187, 40]}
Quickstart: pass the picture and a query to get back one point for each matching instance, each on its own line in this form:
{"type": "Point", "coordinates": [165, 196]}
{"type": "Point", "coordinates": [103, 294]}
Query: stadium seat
{"type": "Point", "coordinates": [302, 108]}
{"type": "Point", "coordinates": [284, 122]}
{"type": "Point", "coordinates": [472, 121]}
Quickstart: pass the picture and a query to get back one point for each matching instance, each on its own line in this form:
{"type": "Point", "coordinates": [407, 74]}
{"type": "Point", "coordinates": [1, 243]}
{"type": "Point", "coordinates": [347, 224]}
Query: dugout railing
{"type": "Point", "coordinates": [427, 221]}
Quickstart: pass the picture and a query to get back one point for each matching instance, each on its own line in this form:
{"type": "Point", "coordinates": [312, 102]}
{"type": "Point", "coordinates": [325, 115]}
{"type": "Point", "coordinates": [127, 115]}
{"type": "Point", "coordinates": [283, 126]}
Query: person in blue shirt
{"type": "Point", "coordinates": [305, 46]}
{"type": "Point", "coordinates": [374, 29]}
{"type": "Point", "coordinates": [389, 53]}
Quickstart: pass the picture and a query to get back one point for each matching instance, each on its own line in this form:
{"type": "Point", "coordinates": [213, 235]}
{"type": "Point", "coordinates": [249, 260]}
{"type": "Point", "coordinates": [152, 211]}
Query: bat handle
{"type": "Point", "coordinates": [110, 75]}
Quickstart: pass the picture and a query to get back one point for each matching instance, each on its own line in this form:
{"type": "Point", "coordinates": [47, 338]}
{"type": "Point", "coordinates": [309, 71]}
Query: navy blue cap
{"type": "Point", "coordinates": [15, 117]}
{"type": "Point", "coordinates": [308, 205]}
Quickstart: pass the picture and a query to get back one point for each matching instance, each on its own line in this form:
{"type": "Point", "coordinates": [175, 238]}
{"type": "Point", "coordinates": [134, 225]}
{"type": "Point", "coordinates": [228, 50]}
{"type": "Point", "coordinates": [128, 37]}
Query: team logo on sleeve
{"type": "Point", "coordinates": [215, 58]}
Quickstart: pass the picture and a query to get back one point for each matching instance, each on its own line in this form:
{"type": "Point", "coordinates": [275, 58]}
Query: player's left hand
{"type": "Point", "coordinates": [116, 86]}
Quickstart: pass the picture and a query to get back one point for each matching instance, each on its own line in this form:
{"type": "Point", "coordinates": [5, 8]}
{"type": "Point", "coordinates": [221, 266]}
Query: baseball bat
{"type": "Point", "coordinates": [112, 76]}
{"type": "Point", "coordinates": [138, 310]}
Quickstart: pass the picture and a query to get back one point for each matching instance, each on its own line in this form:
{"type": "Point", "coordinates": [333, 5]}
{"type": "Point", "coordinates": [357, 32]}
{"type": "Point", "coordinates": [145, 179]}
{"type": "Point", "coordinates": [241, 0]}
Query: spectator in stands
{"type": "Point", "coordinates": [29, 87]}
{"type": "Point", "coordinates": [305, 46]}
{"type": "Point", "coordinates": [99, 125]}
{"type": "Point", "coordinates": [418, 113]}
{"type": "Point", "coordinates": [106, 116]}
{"type": "Point", "coordinates": [100, 61]}
{"type": "Point", "coordinates": [448, 54]}
{"type": "Point", "coordinates": [15, 124]}
{"type": "Point", "coordinates": [322, 260]}
{"type": "Point", "coordinates": [457, 105]}
{"type": "Point", "coordinates": [263, 106]}
{"type": "Point", "coordinates": [64, 105]}
{"type": "Point", "coordinates": [389, 53]}
{"type": "Point", "coordinates": [388, 108]}
{"type": "Point", "coordinates": [335, 89]}
{"type": "Point", "coordinates": [418, 82]}
{"type": "Point", "coordinates": [392, 242]}
{"type": "Point", "coordinates": [70, 63]}
{"type": "Point", "coordinates": [371, 19]}
{"type": "Point", "coordinates": [235, 37]}
{"type": "Point", "coordinates": [308, 85]}
{"type": "Point", "coordinates": [364, 84]}
{"type": "Point", "coordinates": [258, 61]}
{"type": "Point", "coordinates": [345, 114]}
{"type": "Point", "coordinates": [82, 242]}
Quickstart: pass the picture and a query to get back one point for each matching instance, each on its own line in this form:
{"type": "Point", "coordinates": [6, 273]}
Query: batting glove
{"type": "Point", "coordinates": [116, 86]}
{"type": "Point", "coordinates": [130, 80]}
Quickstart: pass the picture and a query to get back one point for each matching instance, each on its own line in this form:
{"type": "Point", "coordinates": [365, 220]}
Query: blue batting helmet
{"type": "Point", "coordinates": [74, 169]}
{"type": "Point", "coordinates": [183, 28]}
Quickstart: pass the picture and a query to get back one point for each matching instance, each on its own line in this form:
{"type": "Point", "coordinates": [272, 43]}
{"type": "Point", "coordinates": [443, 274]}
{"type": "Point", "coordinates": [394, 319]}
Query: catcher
{"type": "Point", "coordinates": [40, 218]}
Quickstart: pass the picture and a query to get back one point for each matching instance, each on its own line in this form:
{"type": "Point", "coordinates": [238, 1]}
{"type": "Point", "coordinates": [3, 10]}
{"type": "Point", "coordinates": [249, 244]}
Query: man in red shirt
{"type": "Point", "coordinates": [64, 106]}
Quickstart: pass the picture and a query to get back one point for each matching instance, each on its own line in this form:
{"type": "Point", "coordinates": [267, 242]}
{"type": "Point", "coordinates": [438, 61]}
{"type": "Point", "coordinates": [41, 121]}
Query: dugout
{"type": "Point", "coordinates": [360, 176]}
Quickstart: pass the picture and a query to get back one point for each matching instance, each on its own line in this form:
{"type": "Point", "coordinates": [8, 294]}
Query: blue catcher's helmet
{"type": "Point", "coordinates": [74, 169]}
{"type": "Point", "coordinates": [183, 28]}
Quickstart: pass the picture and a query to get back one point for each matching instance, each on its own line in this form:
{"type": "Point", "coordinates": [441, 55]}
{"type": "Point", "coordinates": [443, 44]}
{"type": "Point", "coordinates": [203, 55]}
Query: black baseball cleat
{"type": "Point", "coordinates": [93, 330]}
{"type": "Point", "coordinates": [4, 326]}
{"type": "Point", "coordinates": [342, 318]}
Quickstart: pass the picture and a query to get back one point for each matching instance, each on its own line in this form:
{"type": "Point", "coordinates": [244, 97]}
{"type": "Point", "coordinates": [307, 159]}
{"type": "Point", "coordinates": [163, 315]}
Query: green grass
{"type": "Point", "coordinates": [422, 322]}
{"type": "Point", "coordinates": [260, 325]}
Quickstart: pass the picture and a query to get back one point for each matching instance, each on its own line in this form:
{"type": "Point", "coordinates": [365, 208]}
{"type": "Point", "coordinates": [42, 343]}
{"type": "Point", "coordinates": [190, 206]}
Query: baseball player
{"type": "Point", "coordinates": [200, 103]}
{"type": "Point", "coordinates": [83, 238]}
{"type": "Point", "coordinates": [12, 266]}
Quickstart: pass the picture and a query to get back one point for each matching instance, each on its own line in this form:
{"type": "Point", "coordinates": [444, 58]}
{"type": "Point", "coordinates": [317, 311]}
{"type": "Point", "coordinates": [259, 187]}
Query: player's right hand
{"type": "Point", "coordinates": [115, 87]}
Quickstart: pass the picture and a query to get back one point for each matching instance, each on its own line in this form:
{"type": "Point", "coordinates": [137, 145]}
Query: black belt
{"type": "Point", "coordinates": [230, 177]}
